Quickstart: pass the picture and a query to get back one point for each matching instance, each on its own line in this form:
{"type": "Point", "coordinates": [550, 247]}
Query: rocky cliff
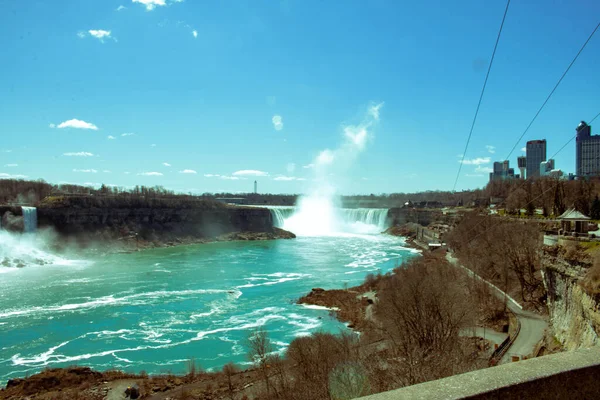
{"type": "Point", "coordinates": [82, 222]}
{"type": "Point", "coordinates": [155, 223]}
{"type": "Point", "coordinates": [574, 314]}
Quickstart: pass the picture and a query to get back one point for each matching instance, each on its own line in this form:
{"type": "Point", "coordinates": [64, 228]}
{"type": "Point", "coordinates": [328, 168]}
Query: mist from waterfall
{"type": "Point", "coordinates": [318, 212]}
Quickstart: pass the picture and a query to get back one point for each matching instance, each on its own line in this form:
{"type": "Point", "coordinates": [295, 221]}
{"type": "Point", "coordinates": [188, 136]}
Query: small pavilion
{"type": "Point", "coordinates": [574, 221]}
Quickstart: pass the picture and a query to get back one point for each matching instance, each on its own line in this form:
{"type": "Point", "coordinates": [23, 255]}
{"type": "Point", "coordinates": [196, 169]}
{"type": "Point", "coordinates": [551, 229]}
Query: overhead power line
{"type": "Point", "coordinates": [487, 75]}
{"type": "Point", "coordinates": [552, 92]}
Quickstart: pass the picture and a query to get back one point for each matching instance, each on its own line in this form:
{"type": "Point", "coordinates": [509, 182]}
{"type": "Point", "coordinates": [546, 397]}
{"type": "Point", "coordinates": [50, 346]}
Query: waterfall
{"type": "Point", "coordinates": [350, 220]}
{"type": "Point", "coordinates": [29, 219]}
{"type": "Point", "coordinates": [280, 214]}
{"type": "Point", "coordinates": [373, 217]}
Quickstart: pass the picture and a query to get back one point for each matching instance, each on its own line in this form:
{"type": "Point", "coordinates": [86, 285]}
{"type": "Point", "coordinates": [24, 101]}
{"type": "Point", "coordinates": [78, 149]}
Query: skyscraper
{"type": "Point", "coordinates": [587, 151]}
{"type": "Point", "coordinates": [536, 153]}
{"type": "Point", "coordinates": [522, 162]}
{"type": "Point", "coordinates": [502, 170]}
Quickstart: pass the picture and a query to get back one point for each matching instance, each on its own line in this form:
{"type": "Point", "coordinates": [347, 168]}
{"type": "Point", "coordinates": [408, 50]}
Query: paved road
{"type": "Point", "coordinates": [532, 325]}
{"type": "Point", "coordinates": [487, 333]}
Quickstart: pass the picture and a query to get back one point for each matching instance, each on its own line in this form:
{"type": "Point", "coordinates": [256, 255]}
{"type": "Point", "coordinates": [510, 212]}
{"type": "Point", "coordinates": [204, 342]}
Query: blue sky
{"type": "Point", "coordinates": [223, 91]}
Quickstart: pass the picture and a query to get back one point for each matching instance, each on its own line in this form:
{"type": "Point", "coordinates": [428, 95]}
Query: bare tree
{"type": "Point", "coordinates": [230, 369]}
{"type": "Point", "coordinates": [260, 347]}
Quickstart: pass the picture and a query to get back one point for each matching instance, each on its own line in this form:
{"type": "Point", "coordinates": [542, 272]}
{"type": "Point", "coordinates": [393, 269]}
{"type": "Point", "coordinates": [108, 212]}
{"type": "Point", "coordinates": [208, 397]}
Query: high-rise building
{"type": "Point", "coordinates": [255, 187]}
{"type": "Point", "coordinates": [522, 163]}
{"type": "Point", "coordinates": [536, 153]}
{"type": "Point", "coordinates": [501, 171]}
{"type": "Point", "coordinates": [546, 167]}
{"type": "Point", "coordinates": [587, 151]}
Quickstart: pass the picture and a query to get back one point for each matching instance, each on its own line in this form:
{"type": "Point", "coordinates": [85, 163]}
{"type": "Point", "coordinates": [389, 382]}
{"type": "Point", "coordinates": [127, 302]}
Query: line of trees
{"type": "Point", "coordinates": [554, 196]}
{"type": "Point", "coordinates": [503, 251]}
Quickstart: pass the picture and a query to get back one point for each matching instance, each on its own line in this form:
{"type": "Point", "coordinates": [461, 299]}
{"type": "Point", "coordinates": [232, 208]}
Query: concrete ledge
{"type": "Point", "coordinates": [569, 375]}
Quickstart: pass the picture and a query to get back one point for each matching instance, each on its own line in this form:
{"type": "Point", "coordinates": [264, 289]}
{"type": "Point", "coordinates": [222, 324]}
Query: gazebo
{"type": "Point", "coordinates": [573, 216]}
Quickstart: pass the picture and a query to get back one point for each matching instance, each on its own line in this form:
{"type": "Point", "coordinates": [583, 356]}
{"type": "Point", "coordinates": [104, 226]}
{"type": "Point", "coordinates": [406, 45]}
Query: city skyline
{"type": "Point", "coordinates": [200, 97]}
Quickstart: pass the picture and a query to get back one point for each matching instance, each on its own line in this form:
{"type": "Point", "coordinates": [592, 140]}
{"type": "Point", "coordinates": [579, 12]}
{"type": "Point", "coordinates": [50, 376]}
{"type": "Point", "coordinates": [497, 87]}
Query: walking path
{"type": "Point", "coordinates": [486, 333]}
{"type": "Point", "coordinates": [532, 325]}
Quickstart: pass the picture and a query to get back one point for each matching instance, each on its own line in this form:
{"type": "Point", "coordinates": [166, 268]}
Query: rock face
{"type": "Point", "coordinates": [11, 222]}
{"type": "Point", "coordinates": [400, 216]}
{"type": "Point", "coordinates": [205, 222]}
{"type": "Point", "coordinates": [155, 224]}
{"type": "Point", "coordinates": [574, 314]}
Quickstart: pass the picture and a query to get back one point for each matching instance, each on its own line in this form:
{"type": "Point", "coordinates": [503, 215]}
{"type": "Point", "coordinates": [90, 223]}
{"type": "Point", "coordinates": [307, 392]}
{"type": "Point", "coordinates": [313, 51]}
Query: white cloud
{"type": "Point", "coordinates": [110, 137]}
{"type": "Point", "coordinates": [150, 174]}
{"type": "Point", "coordinates": [121, 7]}
{"type": "Point", "coordinates": [250, 172]}
{"type": "Point", "coordinates": [77, 124]}
{"type": "Point", "coordinates": [88, 171]}
{"type": "Point", "coordinates": [166, 164]}
{"type": "Point", "coordinates": [524, 149]}
{"type": "Point", "coordinates": [127, 173]}
{"type": "Point", "coordinates": [99, 34]}
{"type": "Point", "coordinates": [490, 149]}
{"type": "Point", "coordinates": [150, 4]}
{"type": "Point", "coordinates": [153, 145]}
{"type": "Point", "coordinates": [79, 154]}
{"type": "Point", "coordinates": [474, 175]}
{"type": "Point", "coordinates": [106, 171]}
{"type": "Point", "coordinates": [325, 157]}
{"type": "Point", "coordinates": [81, 34]}
{"type": "Point", "coordinates": [188, 171]}
{"type": "Point", "coordinates": [127, 134]}
{"type": "Point", "coordinates": [291, 167]}
{"type": "Point", "coordinates": [211, 175]}
{"type": "Point", "coordinates": [11, 165]}
{"type": "Point", "coordinates": [484, 169]}
{"type": "Point", "coordinates": [277, 122]}
{"type": "Point", "coordinates": [195, 33]}
{"type": "Point", "coordinates": [374, 111]}
{"type": "Point", "coordinates": [287, 178]}
{"type": "Point", "coordinates": [231, 178]}
{"type": "Point", "coordinates": [10, 176]}
{"type": "Point", "coordinates": [476, 161]}
{"type": "Point", "coordinates": [309, 166]}
{"type": "Point", "coordinates": [52, 126]}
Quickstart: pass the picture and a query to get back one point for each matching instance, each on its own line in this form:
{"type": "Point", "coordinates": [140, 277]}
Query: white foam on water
{"type": "Point", "coordinates": [110, 300]}
{"type": "Point", "coordinates": [316, 307]}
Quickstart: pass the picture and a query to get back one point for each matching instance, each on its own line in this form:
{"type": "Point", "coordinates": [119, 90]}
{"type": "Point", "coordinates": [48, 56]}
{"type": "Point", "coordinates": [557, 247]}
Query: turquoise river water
{"type": "Point", "coordinates": [153, 310]}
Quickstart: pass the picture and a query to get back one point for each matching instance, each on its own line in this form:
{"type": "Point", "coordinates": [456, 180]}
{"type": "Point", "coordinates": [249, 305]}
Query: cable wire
{"type": "Point", "coordinates": [487, 75]}
{"type": "Point", "coordinates": [552, 92]}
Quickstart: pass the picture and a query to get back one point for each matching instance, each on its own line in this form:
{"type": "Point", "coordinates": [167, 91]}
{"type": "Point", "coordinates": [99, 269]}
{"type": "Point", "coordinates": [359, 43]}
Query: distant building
{"type": "Point", "coordinates": [546, 167]}
{"type": "Point", "coordinates": [536, 153]}
{"type": "Point", "coordinates": [255, 187]}
{"type": "Point", "coordinates": [556, 173]}
{"type": "Point", "coordinates": [502, 171]}
{"type": "Point", "coordinates": [587, 151]}
{"type": "Point", "coordinates": [522, 164]}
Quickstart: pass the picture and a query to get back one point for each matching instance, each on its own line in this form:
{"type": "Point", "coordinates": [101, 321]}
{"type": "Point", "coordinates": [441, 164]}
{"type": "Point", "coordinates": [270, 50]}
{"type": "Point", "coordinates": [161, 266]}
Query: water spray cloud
{"type": "Point", "coordinates": [317, 211]}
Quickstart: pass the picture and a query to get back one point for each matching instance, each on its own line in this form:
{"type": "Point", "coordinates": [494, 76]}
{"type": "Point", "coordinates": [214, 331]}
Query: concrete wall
{"type": "Point", "coordinates": [569, 375]}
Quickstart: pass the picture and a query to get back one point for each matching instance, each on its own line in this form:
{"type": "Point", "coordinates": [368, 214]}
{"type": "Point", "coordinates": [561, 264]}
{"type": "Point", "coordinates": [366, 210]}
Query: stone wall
{"type": "Point", "coordinates": [568, 375]}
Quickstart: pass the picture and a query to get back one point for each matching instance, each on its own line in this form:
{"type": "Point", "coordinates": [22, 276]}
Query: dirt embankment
{"type": "Point", "coordinates": [79, 383]}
